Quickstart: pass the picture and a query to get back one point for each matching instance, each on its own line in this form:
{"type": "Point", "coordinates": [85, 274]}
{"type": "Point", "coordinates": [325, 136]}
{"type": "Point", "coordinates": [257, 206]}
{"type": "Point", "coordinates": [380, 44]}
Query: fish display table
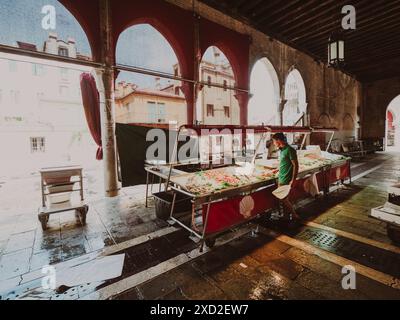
{"type": "Point", "coordinates": [224, 198]}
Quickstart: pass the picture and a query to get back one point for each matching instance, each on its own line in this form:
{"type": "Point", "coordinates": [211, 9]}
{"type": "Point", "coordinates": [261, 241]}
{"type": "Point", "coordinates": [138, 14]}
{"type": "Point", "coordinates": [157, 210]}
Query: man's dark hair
{"type": "Point", "coordinates": [279, 136]}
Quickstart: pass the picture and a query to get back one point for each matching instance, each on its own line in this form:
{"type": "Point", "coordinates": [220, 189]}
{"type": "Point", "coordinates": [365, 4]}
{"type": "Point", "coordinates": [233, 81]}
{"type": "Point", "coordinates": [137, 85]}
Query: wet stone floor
{"type": "Point", "coordinates": [264, 266]}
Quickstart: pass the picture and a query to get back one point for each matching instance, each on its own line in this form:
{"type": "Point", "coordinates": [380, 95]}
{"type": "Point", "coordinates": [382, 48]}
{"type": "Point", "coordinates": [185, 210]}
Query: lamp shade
{"type": "Point", "coordinates": [336, 50]}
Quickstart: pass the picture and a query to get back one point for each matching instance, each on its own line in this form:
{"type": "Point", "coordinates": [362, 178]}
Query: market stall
{"type": "Point", "coordinates": [225, 197]}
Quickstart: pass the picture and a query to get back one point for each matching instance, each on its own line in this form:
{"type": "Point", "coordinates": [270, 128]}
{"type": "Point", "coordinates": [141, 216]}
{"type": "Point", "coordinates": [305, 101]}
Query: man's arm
{"type": "Point", "coordinates": [295, 164]}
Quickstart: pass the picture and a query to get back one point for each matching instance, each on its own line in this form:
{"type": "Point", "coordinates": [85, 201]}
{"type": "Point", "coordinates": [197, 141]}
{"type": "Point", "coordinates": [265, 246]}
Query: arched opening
{"type": "Point", "coordinates": [216, 102]}
{"type": "Point", "coordinates": [265, 94]}
{"type": "Point", "coordinates": [52, 30]}
{"type": "Point", "coordinates": [42, 120]}
{"type": "Point", "coordinates": [348, 124]}
{"type": "Point", "coordinates": [295, 109]}
{"type": "Point", "coordinates": [143, 98]}
{"type": "Point", "coordinates": [393, 125]}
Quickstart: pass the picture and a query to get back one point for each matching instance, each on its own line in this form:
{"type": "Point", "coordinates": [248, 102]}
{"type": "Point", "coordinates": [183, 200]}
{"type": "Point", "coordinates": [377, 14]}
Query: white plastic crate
{"type": "Point", "coordinates": [386, 214]}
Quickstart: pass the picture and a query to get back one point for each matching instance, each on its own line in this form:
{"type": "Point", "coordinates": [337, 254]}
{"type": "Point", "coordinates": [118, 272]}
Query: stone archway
{"type": "Point", "coordinates": [265, 94]}
{"type": "Point", "coordinates": [392, 127]}
{"type": "Point", "coordinates": [295, 99]}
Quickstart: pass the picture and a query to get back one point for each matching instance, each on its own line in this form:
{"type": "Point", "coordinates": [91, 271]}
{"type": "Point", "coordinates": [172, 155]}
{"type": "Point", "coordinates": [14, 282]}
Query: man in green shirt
{"type": "Point", "coordinates": [288, 168]}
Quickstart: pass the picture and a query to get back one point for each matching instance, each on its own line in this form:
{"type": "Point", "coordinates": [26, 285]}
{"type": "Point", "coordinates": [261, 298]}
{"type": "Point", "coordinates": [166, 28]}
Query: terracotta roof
{"type": "Point", "coordinates": [26, 46]}
{"type": "Point", "coordinates": [153, 93]}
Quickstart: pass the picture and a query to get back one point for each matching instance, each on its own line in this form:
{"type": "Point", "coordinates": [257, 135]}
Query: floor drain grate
{"type": "Point", "coordinates": [379, 259]}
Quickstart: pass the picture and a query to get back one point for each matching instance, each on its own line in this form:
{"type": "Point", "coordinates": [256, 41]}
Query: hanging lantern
{"type": "Point", "coordinates": [336, 50]}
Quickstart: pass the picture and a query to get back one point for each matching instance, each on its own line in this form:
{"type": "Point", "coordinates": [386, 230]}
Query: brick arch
{"type": "Point", "coordinates": [229, 56]}
{"type": "Point", "coordinates": [166, 34]}
{"type": "Point", "coordinates": [273, 63]}
{"type": "Point", "coordinates": [348, 122]}
{"type": "Point", "coordinates": [324, 120]}
{"type": "Point", "coordinates": [173, 23]}
{"type": "Point", "coordinates": [87, 14]}
{"type": "Point", "coordinates": [299, 75]}
{"type": "Point", "coordinates": [273, 74]}
{"type": "Point", "coordinates": [234, 45]}
{"type": "Point", "coordinates": [392, 108]}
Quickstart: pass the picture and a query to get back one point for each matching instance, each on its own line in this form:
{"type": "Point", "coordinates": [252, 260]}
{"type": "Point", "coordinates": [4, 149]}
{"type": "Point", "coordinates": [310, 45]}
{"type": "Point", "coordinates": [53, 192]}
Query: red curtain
{"type": "Point", "coordinates": [91, 105]}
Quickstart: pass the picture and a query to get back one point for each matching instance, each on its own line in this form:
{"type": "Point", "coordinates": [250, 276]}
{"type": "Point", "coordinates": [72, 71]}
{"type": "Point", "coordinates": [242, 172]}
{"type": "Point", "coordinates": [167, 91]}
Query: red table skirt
{"type": "Point", "coordinates": [228, 213]}
{"type": "Point", "coordinates": [339, 173]}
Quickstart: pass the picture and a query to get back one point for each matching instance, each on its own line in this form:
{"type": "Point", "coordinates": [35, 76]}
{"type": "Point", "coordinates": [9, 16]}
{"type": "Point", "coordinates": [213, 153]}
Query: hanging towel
{"type": "Point", "coordinates": [311, 185]}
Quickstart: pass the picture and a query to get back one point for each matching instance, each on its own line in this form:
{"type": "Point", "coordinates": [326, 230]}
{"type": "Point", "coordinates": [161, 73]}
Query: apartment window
{"type": "Point", "coordinates": [12, 65]}
{"type": "Point", "coordinates": [63, 52]}
{"type": "Point", "coordinates": [162, 112]}
{"type": "Point", "coordinates": [15, 96]}
{"type": "Point", "coordinates": [209, 81]}
{"type": "Point", "coordinates": [37, 70]}
{"type": "Point", "coordinates": [38, 145]}
{"type": "Point", "coordinates": [177, 91]}
{"type": "Point", "coordinates": [64, 73]}
{"type": "Point", "coordinates": [210, 110]}
{"type": "Point", "coordinates": [64, 90]}
{"type": "Point", "coordinates": [227, 112]}
{"type": "Point", "coordinates": [152, 112]}
{"type": "Point", "coordinates": [225, 85]}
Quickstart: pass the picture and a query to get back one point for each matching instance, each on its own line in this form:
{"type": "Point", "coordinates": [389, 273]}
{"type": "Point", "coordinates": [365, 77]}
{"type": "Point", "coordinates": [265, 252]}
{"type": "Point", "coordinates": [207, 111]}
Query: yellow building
{"type": "Point", "coordinates": [216, 104]}
{"type": "Point", "coordinates": [145, 106]}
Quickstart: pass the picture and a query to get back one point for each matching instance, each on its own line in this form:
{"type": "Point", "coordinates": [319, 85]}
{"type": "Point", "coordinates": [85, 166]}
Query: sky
{"type": "Point", "coordinates": [21, 20]}
{"type": "Point", "coordinates": [141, 45]}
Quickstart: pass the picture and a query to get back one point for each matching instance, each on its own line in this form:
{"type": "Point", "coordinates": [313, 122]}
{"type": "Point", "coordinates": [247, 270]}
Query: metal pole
{"type": "Point", "coordinates": [205, 227]}
{"type": "Point", "coordinates": [174, 152]}
{"type": "Point", "coordinates": [258, 146]}
{"type": "Point", "coordinates": [330, 141]}
{"type": "Point", "coordinates": [304, 141]}
{"type": "Point", "coordinates": [147, 189]}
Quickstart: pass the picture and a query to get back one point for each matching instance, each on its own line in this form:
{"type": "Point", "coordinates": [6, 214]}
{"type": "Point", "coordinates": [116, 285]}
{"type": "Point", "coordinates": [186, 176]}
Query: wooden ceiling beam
{"type": "Point", "coordinates": [264, 11]}
{"type": "Point", "coordinates": [292, 16]}
{"type": "Point", "coordinates": [312, 32]}
{"type": "Point", "coordinates": [281, 9]}
{"type": "Point", "coordinates": [333, 12]}
{"type": "Point", "coordinates": [248, 6]}
{"type": "Point", "coordinates": [384, 35]}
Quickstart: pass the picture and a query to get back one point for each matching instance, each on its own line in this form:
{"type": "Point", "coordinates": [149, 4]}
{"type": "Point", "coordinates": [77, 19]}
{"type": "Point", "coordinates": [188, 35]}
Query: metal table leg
{"type": "Point", "coordinates": [205, 228]}
{"type": "Point", "coordinates": [147, 189]}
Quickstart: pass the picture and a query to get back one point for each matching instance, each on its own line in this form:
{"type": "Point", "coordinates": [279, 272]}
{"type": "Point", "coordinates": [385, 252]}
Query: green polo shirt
{"type": "Point", "coordinates": [288, 154]}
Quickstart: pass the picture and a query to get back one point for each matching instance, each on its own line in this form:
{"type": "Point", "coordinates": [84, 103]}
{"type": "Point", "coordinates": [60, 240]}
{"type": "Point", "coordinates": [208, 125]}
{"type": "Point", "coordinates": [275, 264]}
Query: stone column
{"type": "Point", "coordinates": [243, 99]}
{"type": "Point", "coordinates": [107, 107]}
{"type": "Point", "coordinates": [188, 90]}
{"type": "Point", "coordinates": [281, 107]}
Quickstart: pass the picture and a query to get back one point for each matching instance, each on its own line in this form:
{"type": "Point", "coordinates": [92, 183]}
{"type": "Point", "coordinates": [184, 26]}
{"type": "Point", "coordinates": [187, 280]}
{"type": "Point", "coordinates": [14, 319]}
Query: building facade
{"type": "Point", "coordinates": [216, 103]}
{"type": "Point", "coordinates": [42, 121]}
{"type": "Point", "coordinates": [149, 106]}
